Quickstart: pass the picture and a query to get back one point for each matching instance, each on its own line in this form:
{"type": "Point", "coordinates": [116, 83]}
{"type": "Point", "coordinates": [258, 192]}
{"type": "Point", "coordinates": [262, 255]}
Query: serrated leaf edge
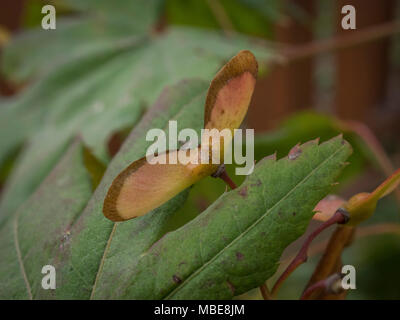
{"type": "Point", "coordinates": [195, 273]}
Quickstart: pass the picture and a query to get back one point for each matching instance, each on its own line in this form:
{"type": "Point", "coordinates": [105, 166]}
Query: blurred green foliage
{"type": "Point", "coordinates": [105, 64]}
{"type": "Point", "coordinates": [251, 17]}
{"type": "Point", "coordinates": [94, 77]}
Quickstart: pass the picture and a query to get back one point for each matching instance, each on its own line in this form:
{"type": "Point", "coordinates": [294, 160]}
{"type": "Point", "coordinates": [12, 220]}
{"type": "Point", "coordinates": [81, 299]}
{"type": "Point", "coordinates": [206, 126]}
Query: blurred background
{"type": "Point", "coordinates": [107, 61]}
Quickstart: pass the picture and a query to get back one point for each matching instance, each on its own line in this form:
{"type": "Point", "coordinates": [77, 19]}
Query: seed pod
{"type": "Point", "coordinates": [142, 186]}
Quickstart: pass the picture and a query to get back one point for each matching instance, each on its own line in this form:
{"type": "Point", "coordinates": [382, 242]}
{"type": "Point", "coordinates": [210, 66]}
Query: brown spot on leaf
{"type": "Point", "coordinates": [231, 287]}
{"type": "Point", "coordinates": [176, 279]}
{"type": "Point", "coordinates": [294, 153]}
{"type": "Point", "coordinates": [257, 184]}
{"type": "Point", "coordinates": [202, 203]}
{"type": "Point", "coordinates": [208, 284]}
{"type": "Point", "coordinates": [293, 213]}
{"type": "Point", "coordinates": [239, 256]}
{"type": "Point", "coordinates": [243, 192]}
{"type": "Point", "coordinates": [65, 238]}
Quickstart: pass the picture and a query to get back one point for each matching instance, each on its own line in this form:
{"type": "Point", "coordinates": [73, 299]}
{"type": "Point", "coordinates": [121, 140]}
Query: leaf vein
{"type": "Point", "coordinates": [195, 273]}
{"type": "Point", "coordinates": [101, 265]}
{"type": "Point", "coordinates": [21, 264]}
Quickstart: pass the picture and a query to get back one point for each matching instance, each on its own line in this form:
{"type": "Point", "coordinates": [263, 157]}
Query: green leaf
{"type": "Point", "coordinates": [235, 245]}
{"type": "Point", "coordinates": [121, 11]}
{"type": "Point", "coordinates": [94, 248]}
{"type": "Point", "coordinates": [298, 128]}
{"type": "Point", "coordinates": [304, 126]}
{"type": "Point", "coordinates": [37, 234]}
{"type": "Point", "coordinates": [101, 27]}
{"type": "Point", "coordinates": [26, 114]}
{"type": "Point", "coordinates": [269, 9]}
{"type": "Point", "coordinates": [98, 95]}
{"type": "Point", "coordinates": [47, 49]}
{"type": "Point", "coordinates": [242, 16]}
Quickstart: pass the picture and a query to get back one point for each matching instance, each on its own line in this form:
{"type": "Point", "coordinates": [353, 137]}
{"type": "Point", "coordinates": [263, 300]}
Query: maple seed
{"type": "Point", "coordinates": [142, 187]}
{"type": "Point", "coordinates": [230, 92]}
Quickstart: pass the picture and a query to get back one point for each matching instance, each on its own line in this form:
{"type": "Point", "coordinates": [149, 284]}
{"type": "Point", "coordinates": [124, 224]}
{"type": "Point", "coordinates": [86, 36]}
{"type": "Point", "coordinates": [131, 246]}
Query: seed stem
{"type": "Point", "coordinates": [224, 176]}
{"type": "Point", "coordinates": [331, 284]}
{"type": "Point", "coordinates": [340, 216]}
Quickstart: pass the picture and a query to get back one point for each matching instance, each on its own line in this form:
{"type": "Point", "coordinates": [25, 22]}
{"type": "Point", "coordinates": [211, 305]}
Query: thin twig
{"type": "Point", "coordinates": [224, 176]}
{"type": "Point", "coordinates": [265, 292]}
{"type": "Point", "coordinates": [328, 285]}
{"type": "Point", "coordinates": [361, 232]}
{"type": "Point", "coordinates": [295, 53]}
{"type": "Point", "coordinates": [331, 261]}
{"type": "Point", "coordinates": [372, 142]}
{"type": "Point", "coordinates": [221, 16]}
{"type": "Point", "coordinates": [339, 217]}
{"type": "Point", "coordinates": [377, 229]}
